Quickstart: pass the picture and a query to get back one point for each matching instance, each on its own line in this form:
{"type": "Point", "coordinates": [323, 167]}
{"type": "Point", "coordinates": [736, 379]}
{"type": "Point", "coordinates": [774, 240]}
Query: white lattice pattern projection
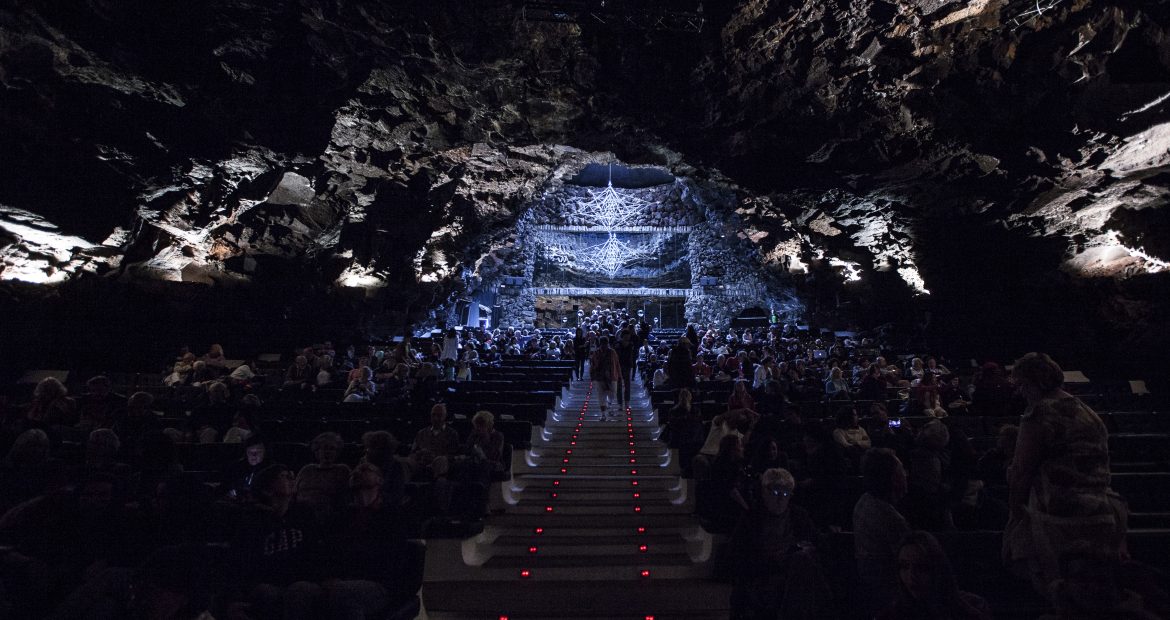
{"type": "Point", "coordinates": [609, 257]}
{"type": "Point", "coordinates": [609, 208]}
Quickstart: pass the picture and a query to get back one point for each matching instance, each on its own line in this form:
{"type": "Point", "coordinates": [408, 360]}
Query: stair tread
{"type": "Point", "coordinates": [581, 599]}
{"type": "Point", "coordinates": [547, 539]}
{"type": "Point", "coordinates": [633, 558]}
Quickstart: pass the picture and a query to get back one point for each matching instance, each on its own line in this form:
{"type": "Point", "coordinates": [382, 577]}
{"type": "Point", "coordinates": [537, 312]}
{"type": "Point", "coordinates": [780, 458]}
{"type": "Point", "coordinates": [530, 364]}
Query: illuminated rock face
{"type": "Point", "coordinates": [882, 156]}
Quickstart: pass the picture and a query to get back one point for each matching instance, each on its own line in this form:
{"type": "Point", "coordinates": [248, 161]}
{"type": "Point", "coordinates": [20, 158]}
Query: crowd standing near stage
{"type": "Point", "coordinates": [790, 436]}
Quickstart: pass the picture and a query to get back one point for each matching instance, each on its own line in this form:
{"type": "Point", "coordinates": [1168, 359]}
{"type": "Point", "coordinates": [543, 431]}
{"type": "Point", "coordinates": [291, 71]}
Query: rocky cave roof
{"type": "Point", "coordinates": [990, 162]}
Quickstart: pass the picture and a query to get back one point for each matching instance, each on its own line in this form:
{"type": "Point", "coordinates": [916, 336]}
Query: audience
{"type": "Point", "coordinates": [102, 473]}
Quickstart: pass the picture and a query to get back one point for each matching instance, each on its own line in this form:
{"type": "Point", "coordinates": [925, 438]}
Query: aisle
{"type": "Point", "coordinates": [596, 523]}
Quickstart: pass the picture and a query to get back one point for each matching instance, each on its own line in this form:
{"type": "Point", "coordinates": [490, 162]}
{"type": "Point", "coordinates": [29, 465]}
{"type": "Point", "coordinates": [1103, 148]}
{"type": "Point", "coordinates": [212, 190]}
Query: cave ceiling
{"type": "Point", "coordinates": [393, 145]}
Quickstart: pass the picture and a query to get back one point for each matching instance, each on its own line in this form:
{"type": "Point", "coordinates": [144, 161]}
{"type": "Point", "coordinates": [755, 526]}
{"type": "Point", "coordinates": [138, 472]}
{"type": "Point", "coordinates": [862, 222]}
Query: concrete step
{"type": "Point", "coordinates": [597, 448]}
{"type": "Point", "coordinates": [594, 495]}
{"type": "Point", "coordinates": [597, 508]}
{"type": "Point", "coordinates": [577, 399]}
{"type": "Point", "coordinates": [550, 540]}
{"type": "Point", "coordinates": [600, 430]}
{"type": "Point", "coordinates": [562, 529]}
{"type": "Point", "coordinates": [537, 561]}
{"type": "Point", "coordinates": [614, 431]}
{"type": "Point", "coordinates": [608, 424]}
{"type": "Point", "coordinates": [545, 549]}
{"type": "Point", "coordinates": [622, 471]}
{"type": "Point", "coordinates": [545, 600]}
{"type": "Point", "coordinates": [539, 481]}
{"type": "Point", "coordinates": [566, 521]}
{"type": "Point", "coordinates": [611, 460]}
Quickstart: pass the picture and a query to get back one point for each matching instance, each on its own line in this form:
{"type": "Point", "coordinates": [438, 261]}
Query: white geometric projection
{"type": "Point", "coordinates": [609, 257]}
{"type": "Point", "coordinates": [609, 208]}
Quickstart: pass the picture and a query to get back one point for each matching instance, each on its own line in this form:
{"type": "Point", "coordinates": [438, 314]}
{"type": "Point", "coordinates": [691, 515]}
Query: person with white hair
{"type": "Point", "coordinates": [773, 556]}
{"type": "Point", "coordinates": [321, 485]}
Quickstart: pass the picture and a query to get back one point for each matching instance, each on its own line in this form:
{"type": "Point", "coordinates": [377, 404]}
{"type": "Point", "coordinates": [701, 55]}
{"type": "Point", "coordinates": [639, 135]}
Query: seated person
{"type": "Point", "coordinates": [51, 405]}
{"type": "Point", "coordinates": [701, 369]}
{"type": "Point", "coordinates": [849, 435]}
{"type": "Point", "coordinates": [993, 465]}
{"type": "Point", "coordinates": [361, 389]}
{"type": "Point", "coordinates": [242, 427]}
{"type": "Point", "coordinates": [435, 441]}
{"type": "Point", "coordinates": [463, 371]}
{"type": "Point", "coordinates": [26, 471]}
{"type": "Point", "coordinates": [214, 416]}
{"type": "Point", "coordinates": [99, 405]}
{"type": "Point", "coordinates": [321, 485]}
{"type": "Point", "coordinates": [238, 479]}
{"type": "Point", "coordinates": [886, 433]}
{"type": "Point", "coordinates": [380, 448]}
{"type": "Point", "coordinates": [992, 394]}
{"type": "Point", "coordinates": [733, 422]}
{"type": "Point", "coordinates": [952, 395]}
{"type": "Point", "coordinates": [836, 386]}
{"type": "Point", "coordinates": [101, 456]}
{"type": "Point", "coordinates": [660, 379]}
{"type": "Point", "coordinates": [924, 398]}
{"type": "Point", "coordinates": [365, 543]}
{"type": "Point", "coordinates": [73, 532]}
{"type": "Point", "coordinates": [773, 556]}
{"type": "Point", "coordinates": [926, 500]}
{"type": "Point", "coordinates": [725, 495]}
{"type": "Point", "coordinates": [927, 587]}
{"type": "Point", "coordinates": [764, 455]}
{"type": "Point", "coordinates": [299, 376]}
{"type": "Point", "coordinates": [202, 373]}
{"type": "Point", "coordinates": [325, 372]}
{"type": "Point", "coordinates": [136, 421]}
{"type": "Point", "coordinates": [878, 528]}
{"type": "Point", "coordinates": [485, 445]}
{"type": "Point", "coordinates": [684, 422]}
{"type": "Point", "coordinates": [873, 384]}
{"type": "Point", "coordinates": [741, 399]}
{"type": "Point", "coordinates": [277, 552]}
{"type": "Point", "coordinates": [215, 357]}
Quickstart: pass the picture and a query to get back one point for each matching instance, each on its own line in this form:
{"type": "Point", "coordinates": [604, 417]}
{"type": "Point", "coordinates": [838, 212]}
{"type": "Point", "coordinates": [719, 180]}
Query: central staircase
{"type": "Point", "coordinates": [595, 523]}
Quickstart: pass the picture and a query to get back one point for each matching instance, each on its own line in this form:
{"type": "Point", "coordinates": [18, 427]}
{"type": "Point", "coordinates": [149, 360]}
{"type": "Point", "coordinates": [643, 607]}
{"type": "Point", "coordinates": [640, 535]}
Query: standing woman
{"type": "Point", "coordinates": [1059, 478]}
{"type": "Point", "coordinates": [604, 372]}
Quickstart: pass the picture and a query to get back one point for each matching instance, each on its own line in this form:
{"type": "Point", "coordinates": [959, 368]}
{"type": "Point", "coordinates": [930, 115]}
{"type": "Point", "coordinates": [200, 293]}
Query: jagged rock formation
{"type": "Point", "coordinates": [999, 163]}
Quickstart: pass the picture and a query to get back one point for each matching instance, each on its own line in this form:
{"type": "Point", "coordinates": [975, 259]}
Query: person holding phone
{"type": "Point", "coordinates": [775, 569]}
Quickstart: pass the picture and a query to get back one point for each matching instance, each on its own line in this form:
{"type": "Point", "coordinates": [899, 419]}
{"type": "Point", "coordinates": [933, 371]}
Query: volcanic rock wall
{"type": "Point", "coordinates": [1000, 164]}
